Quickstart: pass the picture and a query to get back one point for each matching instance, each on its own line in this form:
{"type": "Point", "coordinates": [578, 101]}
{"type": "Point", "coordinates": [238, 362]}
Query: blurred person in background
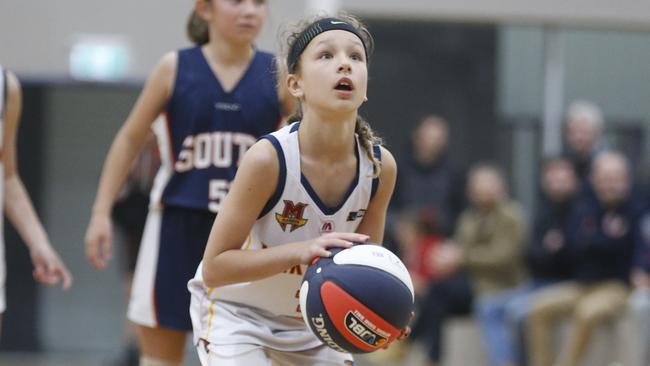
{"type": "Point", "coordinates": [547, 255]}
{"type": "Point", "coordinates": [218, 98]}
{"type": "Point", "coordinates": [419, 238]}
{"type": "Point", "coordinates": [490, 238]}
{"type": "Point", "coordinates": [602, 236]}
{"type": "Point", "coordinates": [48, 266]}
{"type": "Point", "coordinates": [444, 294]}
{"type": "Point", "coordinates": [489, 242]}
{"type": "Point", "coordinates": [423, 211]}
{"type": "Point", "coordinates": [426, 180]}
{"type": "Point", "coordinates": [583, 136]}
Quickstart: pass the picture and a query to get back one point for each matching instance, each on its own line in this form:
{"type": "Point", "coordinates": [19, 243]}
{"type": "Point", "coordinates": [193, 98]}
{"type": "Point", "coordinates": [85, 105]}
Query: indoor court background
{"type": "Point", "coordinates": [502, 72]}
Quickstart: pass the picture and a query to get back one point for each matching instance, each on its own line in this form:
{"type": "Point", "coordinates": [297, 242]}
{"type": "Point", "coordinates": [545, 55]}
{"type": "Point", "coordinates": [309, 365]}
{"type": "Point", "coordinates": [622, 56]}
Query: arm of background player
{"type": "Point", "coordinates": [127, 144]}
{"type": "Point", "coordinates": [374, 220]}
{"type": "Point", "coordinates": [224, 262]}
{"type": "Point", "coordinates": [48, 266]}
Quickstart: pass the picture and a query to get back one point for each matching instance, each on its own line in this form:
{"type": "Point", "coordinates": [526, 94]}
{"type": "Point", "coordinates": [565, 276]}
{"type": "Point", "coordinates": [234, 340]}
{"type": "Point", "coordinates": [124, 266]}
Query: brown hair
{"type": "Point", "coordinates": [197, 28]}
{"type": "Point", "coordinates": [367, 137]}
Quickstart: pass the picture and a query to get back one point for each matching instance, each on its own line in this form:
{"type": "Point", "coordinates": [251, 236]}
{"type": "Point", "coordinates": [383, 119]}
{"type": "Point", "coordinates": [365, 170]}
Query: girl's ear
{"type": "Point", "coordinates": [203, 9]}
{"type": "Point", "coordinates": [294, 87]}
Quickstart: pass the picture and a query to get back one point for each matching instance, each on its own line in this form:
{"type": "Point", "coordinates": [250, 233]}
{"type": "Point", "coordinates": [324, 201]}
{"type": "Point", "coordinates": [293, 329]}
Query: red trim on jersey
{"type": "Point", "coordinates": [339, 306]}
{"type": "Point", "coordinates": [170, 139]}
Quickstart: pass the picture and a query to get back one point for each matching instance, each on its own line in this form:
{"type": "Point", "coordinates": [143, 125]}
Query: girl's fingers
{"type": "Point", "coordinates": [66, 277]}
{"type": "Point", "coordinates": [338, 243]}
{"type": "Point", "coordinates": [353, 237]}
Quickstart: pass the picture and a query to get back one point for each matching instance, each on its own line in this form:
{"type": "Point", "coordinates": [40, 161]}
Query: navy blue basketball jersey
{"type": "Point", "coordinates": [207, 129]}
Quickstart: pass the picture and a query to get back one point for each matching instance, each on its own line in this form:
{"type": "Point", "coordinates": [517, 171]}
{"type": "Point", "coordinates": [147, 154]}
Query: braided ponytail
{"type": "Point", "coordinates": [367, 139]}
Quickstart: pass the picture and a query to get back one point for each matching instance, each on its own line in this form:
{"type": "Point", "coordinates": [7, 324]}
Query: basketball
{"type": "Point", "coordinates": [358, 300]}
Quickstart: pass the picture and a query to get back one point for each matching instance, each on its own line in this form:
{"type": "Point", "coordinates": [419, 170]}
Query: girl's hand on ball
{"type": "Point", "coordinates": [318, 247]}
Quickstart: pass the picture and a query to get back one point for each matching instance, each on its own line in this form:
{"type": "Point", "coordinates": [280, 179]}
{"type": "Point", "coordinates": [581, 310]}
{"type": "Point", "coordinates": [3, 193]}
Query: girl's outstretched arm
{"type": "Point", "coordinates": [48, 266]}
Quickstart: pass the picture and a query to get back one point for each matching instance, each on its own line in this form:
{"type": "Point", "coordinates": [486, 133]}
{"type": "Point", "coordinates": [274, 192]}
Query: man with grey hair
{"type": "Point", "coordinates": [583, 135]}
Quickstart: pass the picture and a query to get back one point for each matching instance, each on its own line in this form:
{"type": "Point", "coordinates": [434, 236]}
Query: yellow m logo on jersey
{"type": "Point", "coordinates": [291, 216]}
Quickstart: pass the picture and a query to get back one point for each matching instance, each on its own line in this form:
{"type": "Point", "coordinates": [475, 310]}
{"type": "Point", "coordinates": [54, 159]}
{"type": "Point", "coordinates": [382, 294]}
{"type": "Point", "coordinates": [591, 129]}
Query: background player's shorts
{"type": "Point", "coordinates": [172, 247]}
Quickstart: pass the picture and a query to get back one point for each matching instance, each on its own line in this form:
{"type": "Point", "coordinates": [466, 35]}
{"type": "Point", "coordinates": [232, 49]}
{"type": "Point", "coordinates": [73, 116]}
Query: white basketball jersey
{"type": "Point", "coordinates": [295, 213]}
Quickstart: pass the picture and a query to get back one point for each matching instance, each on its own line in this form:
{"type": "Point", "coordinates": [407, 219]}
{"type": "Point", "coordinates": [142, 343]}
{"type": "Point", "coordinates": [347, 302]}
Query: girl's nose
{"type": "Point", "coordinates": [345, 67]}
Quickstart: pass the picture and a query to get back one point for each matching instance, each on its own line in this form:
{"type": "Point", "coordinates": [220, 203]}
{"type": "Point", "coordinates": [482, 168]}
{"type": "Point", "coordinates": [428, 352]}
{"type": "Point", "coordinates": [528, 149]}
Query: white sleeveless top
{"type": "Point", "coordinates": [295, 213]}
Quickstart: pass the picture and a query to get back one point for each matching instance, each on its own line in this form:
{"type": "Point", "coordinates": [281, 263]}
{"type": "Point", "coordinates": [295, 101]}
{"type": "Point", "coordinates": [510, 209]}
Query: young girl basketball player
{"type": "Point", "coordinates": [218, 98]}
{"type": "Point", "coordinates": [48, 266]}
{"type": "Point", "coordinates": [313, 185]}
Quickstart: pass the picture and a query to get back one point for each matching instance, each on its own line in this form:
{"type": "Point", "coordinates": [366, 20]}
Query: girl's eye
{"type": "Point", "coordinates": [356, 56]}
{"type": "Point", "coordinates": [325, 55]}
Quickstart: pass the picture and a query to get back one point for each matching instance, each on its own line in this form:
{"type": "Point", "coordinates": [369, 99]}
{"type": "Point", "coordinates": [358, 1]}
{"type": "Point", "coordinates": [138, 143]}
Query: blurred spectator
{"type": "Point", "coordinates": [419, 239]}
{"type": "Point", "coordinates": [584, 129]}
{"type": "Point", "coordinates": [438, 295]}
{"type": "Point", "coordinates": [444, 298]}
{"type": "Point", "coordinates": [601, 233]}
{"type": "Point", "coordinates": [490, 239]}
{"type": "Point", "coordinates": [424, 208]}
{"type": "Point", "coordinates": [547, 254]}
{"type": "Point", "coordinates": [426, 179]}
{"type": "Point", "coordinates": [422, 214]}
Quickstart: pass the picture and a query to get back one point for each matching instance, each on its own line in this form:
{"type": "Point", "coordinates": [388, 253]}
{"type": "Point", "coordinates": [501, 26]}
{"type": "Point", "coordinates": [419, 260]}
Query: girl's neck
{"type": "Point", "coordinates": [326, 139]}
{"type": "Point", "coordinates": [224, 52]}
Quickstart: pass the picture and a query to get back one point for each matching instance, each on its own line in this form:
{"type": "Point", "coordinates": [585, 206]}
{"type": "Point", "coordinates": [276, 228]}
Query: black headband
{"type": "Point", "coordinates": [323, 25]}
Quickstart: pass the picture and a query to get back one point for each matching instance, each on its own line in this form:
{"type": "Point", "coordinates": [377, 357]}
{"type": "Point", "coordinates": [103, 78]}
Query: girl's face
{"type": "Point", "coordinates": [237, 20]}
{"type": "Point", "coordinates": [333, 73]}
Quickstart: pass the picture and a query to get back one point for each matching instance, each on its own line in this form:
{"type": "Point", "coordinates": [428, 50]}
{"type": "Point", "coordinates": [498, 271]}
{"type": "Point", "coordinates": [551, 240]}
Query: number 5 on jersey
{"type": "Point", "coordinates": [218, 190]}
